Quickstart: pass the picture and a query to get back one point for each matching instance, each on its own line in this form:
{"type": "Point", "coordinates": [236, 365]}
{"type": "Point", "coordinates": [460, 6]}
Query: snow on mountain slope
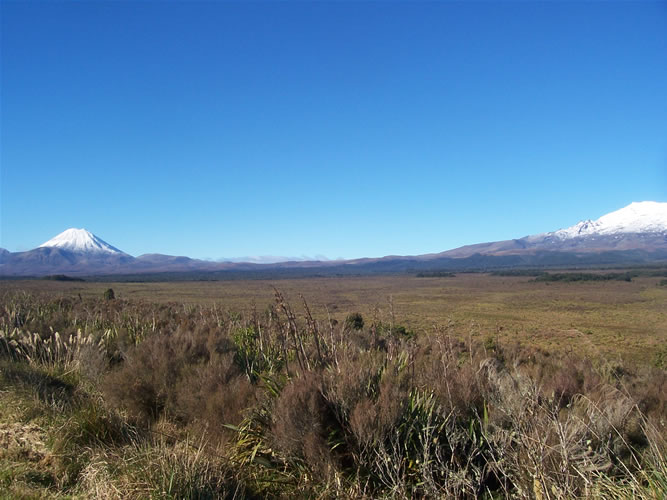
{"type": "Point", "coordinates": [81, 241]}
{"type": "Point", "coordinates": [638, 217]}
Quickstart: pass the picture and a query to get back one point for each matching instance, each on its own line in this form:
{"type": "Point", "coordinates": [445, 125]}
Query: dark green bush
{"type": "Point", "coordinates": [355, 321]}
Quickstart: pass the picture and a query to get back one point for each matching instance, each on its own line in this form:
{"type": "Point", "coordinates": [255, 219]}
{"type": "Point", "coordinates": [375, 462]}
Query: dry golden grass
{"type": "Point", "coordinates": [136, 398]}
{"type": "Point", "coordinates": [611, 318]}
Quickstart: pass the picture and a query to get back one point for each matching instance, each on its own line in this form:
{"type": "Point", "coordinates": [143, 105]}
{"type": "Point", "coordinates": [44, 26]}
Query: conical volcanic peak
{"type": "Point", "coordinates": [81, 241]}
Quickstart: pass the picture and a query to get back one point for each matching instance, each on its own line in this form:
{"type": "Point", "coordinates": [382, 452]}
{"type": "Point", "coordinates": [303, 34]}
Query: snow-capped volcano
{"type": "Point", "coordinates": [640, 226]}
{"type": "Point", "coordinates": [638, 217]}
{"type": "Point", "coordinates": [633, 235]}
{"type": "Point", "coordinates": [81, 241]}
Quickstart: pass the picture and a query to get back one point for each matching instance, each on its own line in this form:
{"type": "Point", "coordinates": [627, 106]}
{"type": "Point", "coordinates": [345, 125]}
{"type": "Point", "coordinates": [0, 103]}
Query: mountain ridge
{"type": "Point", "coordinates": [636, 233]}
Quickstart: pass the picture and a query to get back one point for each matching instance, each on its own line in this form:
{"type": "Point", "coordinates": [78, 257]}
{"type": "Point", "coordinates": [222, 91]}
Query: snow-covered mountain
{"type": "Point", "coordinates": [74, 251]}
{"type": "Point", "coordinates": [640, 226]}
{"type": "Point", "coordinates": [646, 217]}
{"type": "Point", "coordinates": [80, 241]}
{"type": "Point", "coordinates": [635, 234]}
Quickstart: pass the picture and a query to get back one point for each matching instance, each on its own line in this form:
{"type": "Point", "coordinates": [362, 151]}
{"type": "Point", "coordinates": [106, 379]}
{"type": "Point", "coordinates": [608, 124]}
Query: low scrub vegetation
{"type": "Point", "coordinates": [435, 274]}
{"type": "Point", "coordinates": [541, 275]}
{"type": "Point", "coordinates": [585, 277]}
{"type": "Point", "coordinates": [123, 399]}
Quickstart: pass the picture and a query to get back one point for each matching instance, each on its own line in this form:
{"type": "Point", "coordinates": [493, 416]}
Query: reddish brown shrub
{"type": "Point", "coordinates": [186, 374]}
{"type": "Point", "coordinates": [372, 420]}
{"type": "Point", "coordinates": [352, 380]}
{"type": "Point", "coordinates": [301, 423]}
{"type": "Point", "coordinates": [213, 394]}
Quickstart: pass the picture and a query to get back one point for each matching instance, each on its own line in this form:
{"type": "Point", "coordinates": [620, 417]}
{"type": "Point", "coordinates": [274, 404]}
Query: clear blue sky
{"type": "Point", "coordinates": [339, 129]}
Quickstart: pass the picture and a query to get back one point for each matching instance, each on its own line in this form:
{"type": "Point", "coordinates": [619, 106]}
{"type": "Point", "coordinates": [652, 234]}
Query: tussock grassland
{"type": "Point", "coordinates": [513, 389]}
{"type": "Point", "coordinates": [612, 318]}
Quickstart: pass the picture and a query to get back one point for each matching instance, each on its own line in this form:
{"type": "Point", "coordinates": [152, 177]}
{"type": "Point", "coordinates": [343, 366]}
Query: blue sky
{"type": "Point", "coordinates": [341, 129]}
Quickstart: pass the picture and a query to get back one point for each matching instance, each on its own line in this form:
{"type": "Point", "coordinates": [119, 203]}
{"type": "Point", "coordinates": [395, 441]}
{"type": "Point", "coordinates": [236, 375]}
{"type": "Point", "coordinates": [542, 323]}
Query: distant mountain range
{"type": "Point", "coordinates": [635, 234]}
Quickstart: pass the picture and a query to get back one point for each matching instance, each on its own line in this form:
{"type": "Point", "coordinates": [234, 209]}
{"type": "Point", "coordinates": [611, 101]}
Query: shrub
{"type": "Point", "coordinates": [355, 321]}
{"type": "Point", "coordinates": [339, 414]}
{"type": "Point", "coordinates": [302, 422]}
{"type": "Point", "coordinates": [188, 376]}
